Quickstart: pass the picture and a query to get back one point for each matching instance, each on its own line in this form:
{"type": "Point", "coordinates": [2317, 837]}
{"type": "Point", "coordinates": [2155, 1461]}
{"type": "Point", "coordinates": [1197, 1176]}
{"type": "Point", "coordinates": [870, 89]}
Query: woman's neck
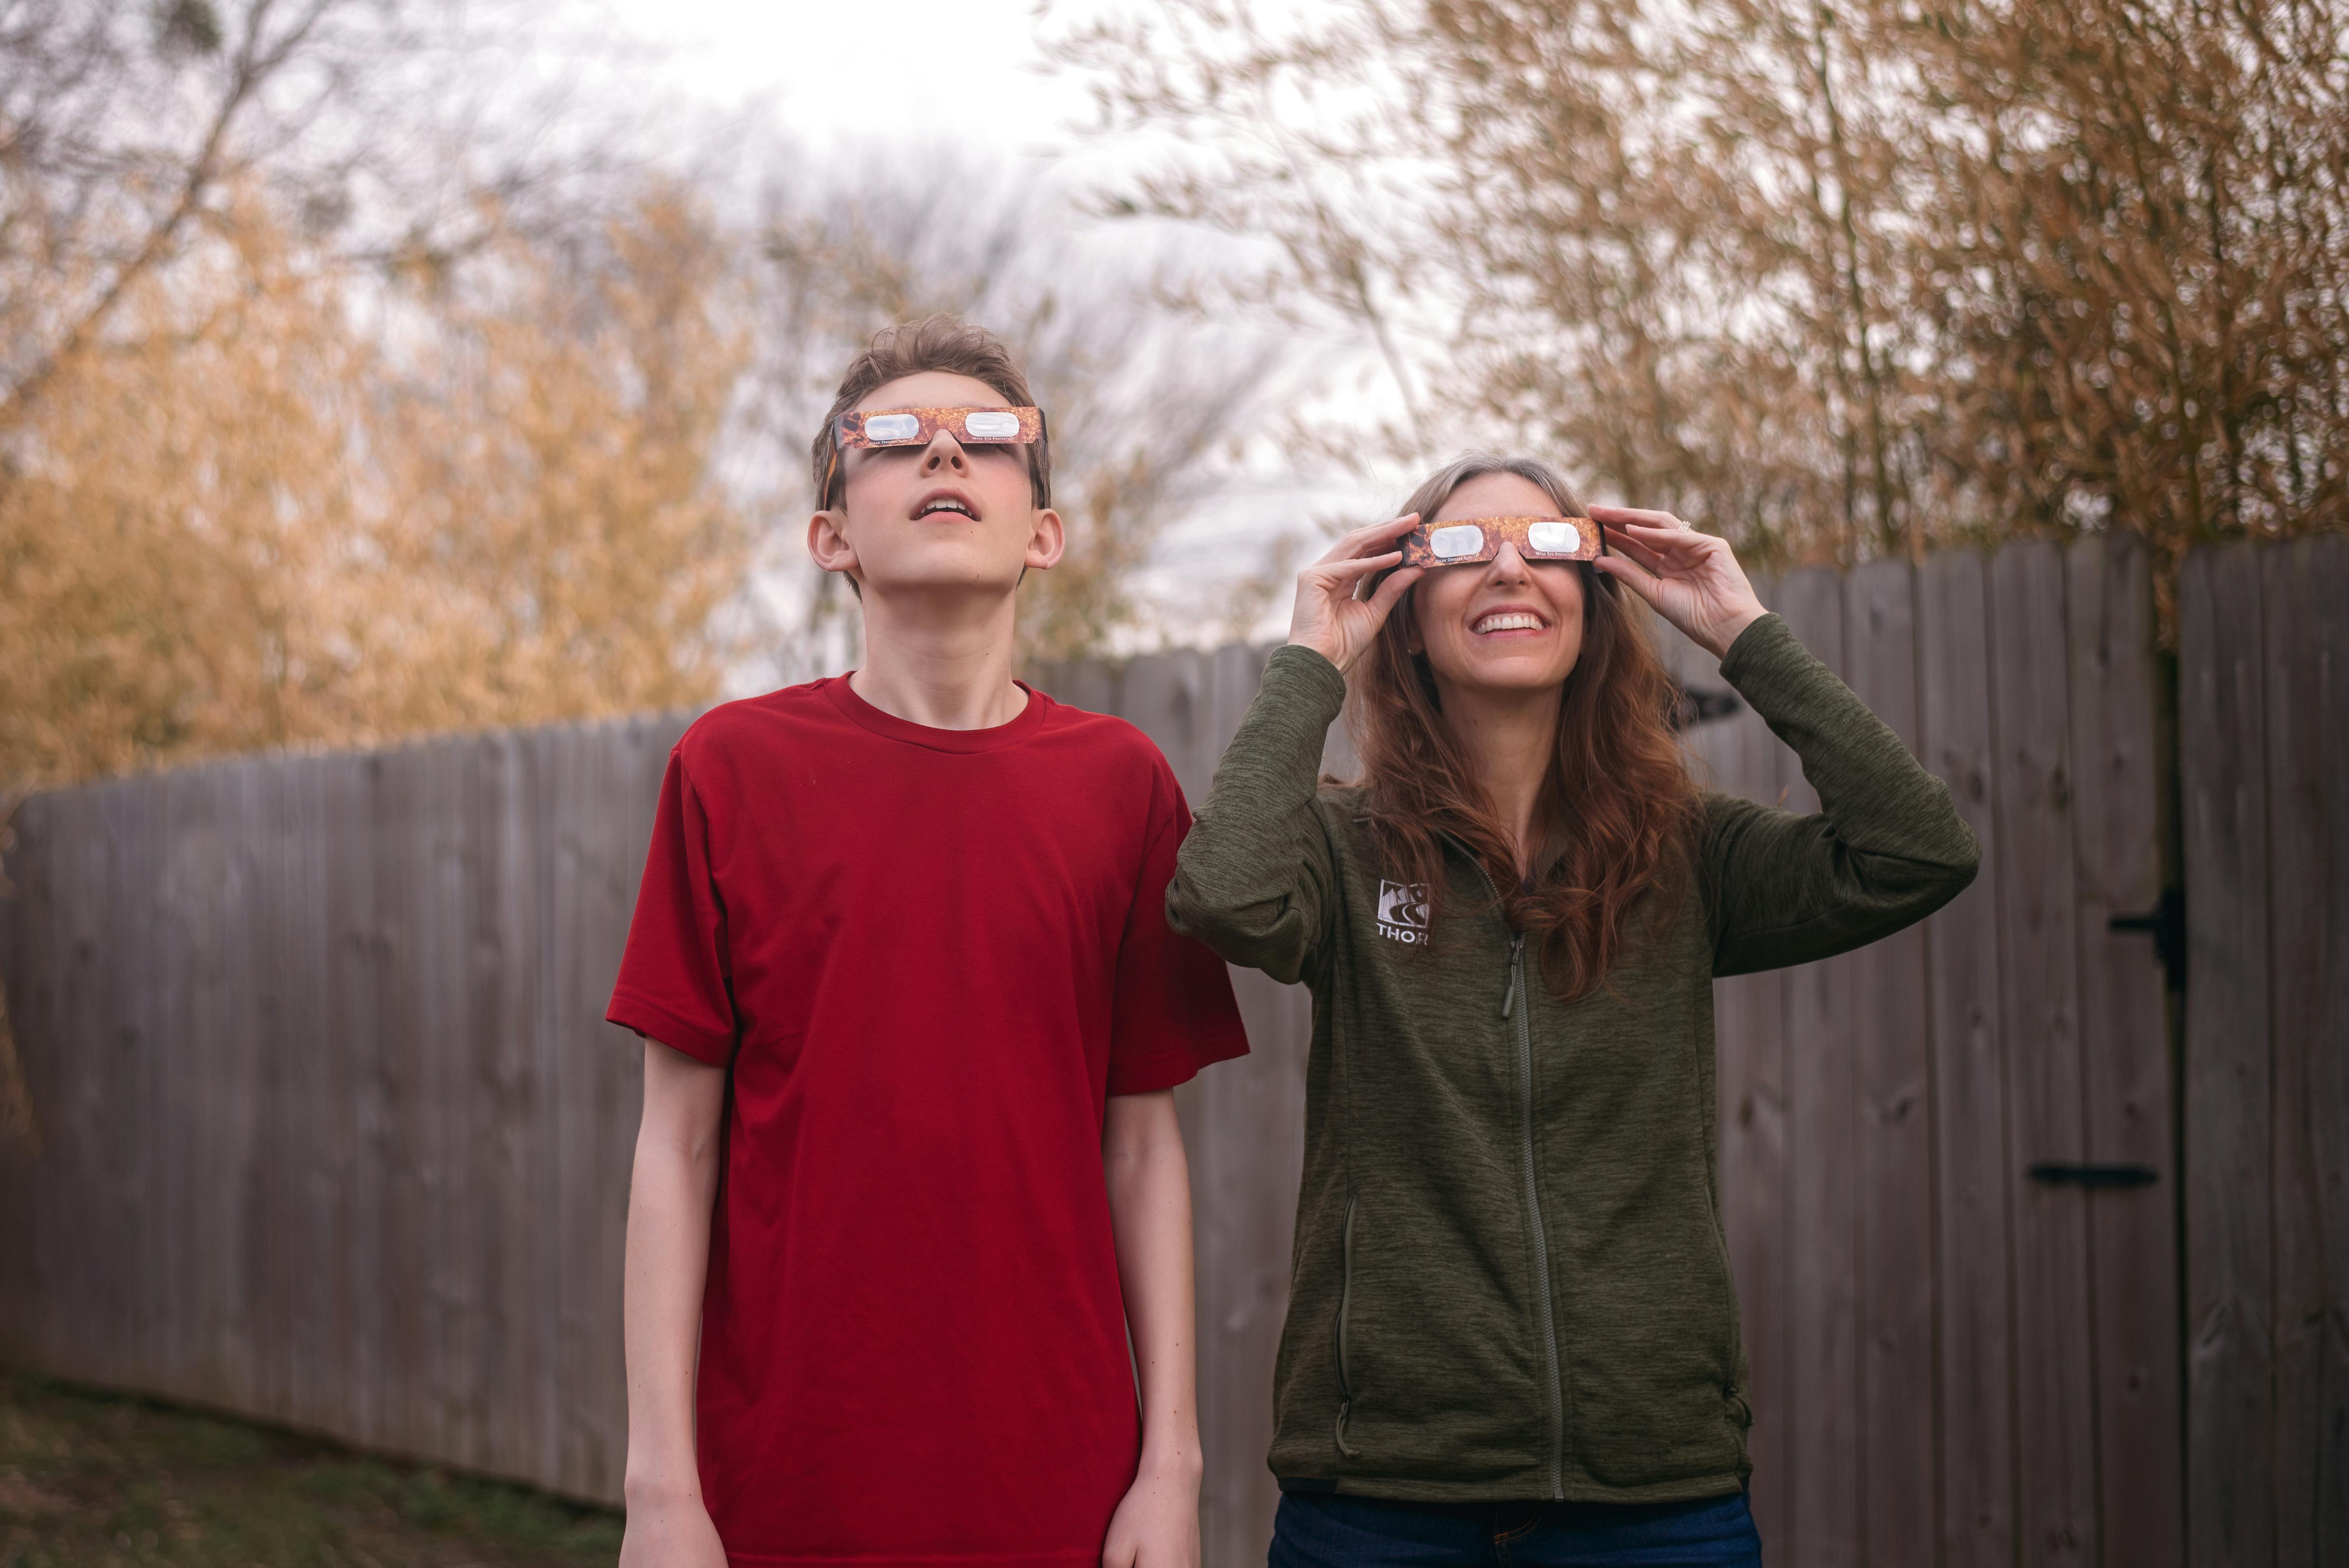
{"type": "Point", "coordinates": [1510, 736]}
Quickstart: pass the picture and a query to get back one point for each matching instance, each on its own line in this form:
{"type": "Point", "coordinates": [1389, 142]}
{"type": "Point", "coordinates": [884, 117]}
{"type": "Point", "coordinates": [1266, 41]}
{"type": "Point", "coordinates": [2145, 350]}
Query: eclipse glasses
{"type": "Point", "coordinates": [913, 426]}
{"type": "Point", "coordinates": [919, 427]}
{"type": "Point", "coordinates": [1469, 540]}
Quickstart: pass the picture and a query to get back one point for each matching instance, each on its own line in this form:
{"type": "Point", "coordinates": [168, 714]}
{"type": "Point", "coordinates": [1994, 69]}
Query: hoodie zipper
{"type": "Point", "coordinates": [1514, 1004]}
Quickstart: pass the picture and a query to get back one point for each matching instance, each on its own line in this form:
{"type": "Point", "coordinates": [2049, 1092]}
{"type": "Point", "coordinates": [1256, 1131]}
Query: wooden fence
{"type": "Point", "coordinates": [1956, 1361]}
{"type": "Point", "coordinates": [332, 1133]}
{"type": "Point", "coordinates": [2263, 708]}
{"type": "Point", "coordinates": [331, 1129]}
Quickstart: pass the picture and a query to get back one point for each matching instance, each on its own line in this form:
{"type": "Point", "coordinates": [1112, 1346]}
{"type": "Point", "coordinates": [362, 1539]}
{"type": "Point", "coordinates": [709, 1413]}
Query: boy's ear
{"type": "Point", "coordinates": [1049, 541]}
{"type": "Point", "coordinates": [827, 545]}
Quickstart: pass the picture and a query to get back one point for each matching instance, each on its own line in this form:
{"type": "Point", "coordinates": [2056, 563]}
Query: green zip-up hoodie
{"type": "Point", "coordinates": [1510, 1279]}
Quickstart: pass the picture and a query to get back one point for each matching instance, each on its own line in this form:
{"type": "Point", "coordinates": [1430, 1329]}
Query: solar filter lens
{"type": "Point", "coordinates": [1554, 538]}
{"type": "Point", "coordinates": [893, 427]}
{"type": "Point", "coordinates": [1457, 543]}
{"type": "Point", "coordinates": [991, 425]}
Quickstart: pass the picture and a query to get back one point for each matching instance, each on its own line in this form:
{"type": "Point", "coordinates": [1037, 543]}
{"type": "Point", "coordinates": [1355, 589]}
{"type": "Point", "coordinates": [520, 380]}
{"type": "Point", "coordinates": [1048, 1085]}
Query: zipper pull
{"type": "Point", "coordinates": [1517, 974]}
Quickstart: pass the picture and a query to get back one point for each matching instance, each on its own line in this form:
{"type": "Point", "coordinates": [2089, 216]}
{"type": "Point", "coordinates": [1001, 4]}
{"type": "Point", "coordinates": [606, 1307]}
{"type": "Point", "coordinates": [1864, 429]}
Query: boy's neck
{"type": "Point", "coordinates": [940, 660]}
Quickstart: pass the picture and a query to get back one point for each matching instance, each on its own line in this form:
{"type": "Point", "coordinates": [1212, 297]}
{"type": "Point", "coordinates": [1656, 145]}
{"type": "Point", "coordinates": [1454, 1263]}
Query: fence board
{"type": "Point", "coordinates": [588, 801]}
{"type": "Point", "coordinates": [2307, 720]}
{"type": "Point", "coordinates": [203, 1232]}
{"type": "Point", "coordinates": [431, 1048]}
{"type": "Point", "coordinates": [2229, 1252]}
{"type": "Point", "coordinates": [100, 1185]}
{"type": "Point", "coordinates": [353, 1112]}
{"type": "Point", "coordinates": [2119, 755]}
{"type": "Point", "coordinates": [96, 1189]}
{"type": "Point", "coordinates": [539, 1313]}
{"type": "Point", "coordinates": [289, 1307]}
{"type": "Point", "coordinates": [2326, 1044]}
{"type": "Point", "coordinates": [1961, 950]}
{"type": "Point", "coordinates": [23, 1013]}
{"type": "Point", "coordinates": [515, 1196]}
{"type": "Point", "coordinates": [1892, 1125]}
{"type": "Point", "coordinates": [1824, 1375]}
{"type": "Point", "coordinates": [21, 999]}
{"type": "Point", "coordinates": [2054, 1386]}
{"type": "Point", "coordinates": [403, 982]}
{"type": "Point", "coordinates": [140, 1281]}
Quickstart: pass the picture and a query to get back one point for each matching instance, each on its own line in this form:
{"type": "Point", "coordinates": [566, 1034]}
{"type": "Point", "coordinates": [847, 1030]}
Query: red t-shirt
{"type": "Point", "coordinates": [928, 955]}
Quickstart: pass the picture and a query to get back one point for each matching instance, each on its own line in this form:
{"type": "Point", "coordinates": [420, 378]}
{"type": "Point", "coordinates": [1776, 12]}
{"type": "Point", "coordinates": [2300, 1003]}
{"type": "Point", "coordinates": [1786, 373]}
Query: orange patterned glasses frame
{"type": "Point", "coordinates": [1468, 539]}
{"type": "Point", "coordinates": [919, 427]}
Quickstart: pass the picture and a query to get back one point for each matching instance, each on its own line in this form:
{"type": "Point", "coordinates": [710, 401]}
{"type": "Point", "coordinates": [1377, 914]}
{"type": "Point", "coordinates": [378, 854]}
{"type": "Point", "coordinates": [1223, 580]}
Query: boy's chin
{"type": "Point", "coordinates": [979, 578]}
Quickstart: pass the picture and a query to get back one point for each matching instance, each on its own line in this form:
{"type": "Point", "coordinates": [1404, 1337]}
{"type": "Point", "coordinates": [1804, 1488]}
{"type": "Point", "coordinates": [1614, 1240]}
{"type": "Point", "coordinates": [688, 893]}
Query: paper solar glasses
{"type": "Point", "coordinates": [1466, 541]}
{"type": "Point", "coordinates": [918, 426]}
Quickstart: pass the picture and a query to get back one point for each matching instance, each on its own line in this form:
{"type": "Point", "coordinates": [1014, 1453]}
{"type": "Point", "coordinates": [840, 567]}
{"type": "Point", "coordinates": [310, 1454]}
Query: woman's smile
{"type": "Point", "coordinates": [1509, 620]}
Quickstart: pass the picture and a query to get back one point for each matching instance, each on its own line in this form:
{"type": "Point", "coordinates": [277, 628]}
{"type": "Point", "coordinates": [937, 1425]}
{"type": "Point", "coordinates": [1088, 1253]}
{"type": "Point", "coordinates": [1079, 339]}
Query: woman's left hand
{"type": "Point", "coordinates": [1691, 579]}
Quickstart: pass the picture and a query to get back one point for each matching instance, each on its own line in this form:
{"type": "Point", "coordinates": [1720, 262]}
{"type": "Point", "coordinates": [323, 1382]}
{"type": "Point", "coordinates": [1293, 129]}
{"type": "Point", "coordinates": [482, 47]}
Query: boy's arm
{"type": "Point", "coordinates": [670, 1192]}
{"type": "Point", "coordinates": [1157, 1524]}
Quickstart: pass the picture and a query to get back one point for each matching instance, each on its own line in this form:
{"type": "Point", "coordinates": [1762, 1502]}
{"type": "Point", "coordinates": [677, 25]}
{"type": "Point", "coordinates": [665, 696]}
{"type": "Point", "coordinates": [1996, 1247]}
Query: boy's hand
{"type": "Point", "coordinates": [1157, 1524]}
{"type": "Point", "coordinates": [1331, 617]}
{"type": "Point", "coordinates": [675, 1534]}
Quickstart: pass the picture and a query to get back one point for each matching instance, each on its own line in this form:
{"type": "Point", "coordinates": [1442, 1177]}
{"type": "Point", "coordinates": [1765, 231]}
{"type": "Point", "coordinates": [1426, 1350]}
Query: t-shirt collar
{"type": "Point", "coordinates": [889, 727]}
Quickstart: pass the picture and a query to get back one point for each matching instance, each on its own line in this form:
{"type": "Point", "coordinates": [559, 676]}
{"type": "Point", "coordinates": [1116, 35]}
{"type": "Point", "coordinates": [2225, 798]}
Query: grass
{"type": "Point", "coordinates": [101, 1481]}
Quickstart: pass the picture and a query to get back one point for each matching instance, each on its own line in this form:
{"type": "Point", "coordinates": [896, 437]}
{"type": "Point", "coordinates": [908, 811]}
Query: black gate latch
{"type": "Point", "coordinates": [1701, 705]}
{"type": "Point", "coordinates": [2060, 1175]}
{"type": "Point", "coordinates": [2166, 923]}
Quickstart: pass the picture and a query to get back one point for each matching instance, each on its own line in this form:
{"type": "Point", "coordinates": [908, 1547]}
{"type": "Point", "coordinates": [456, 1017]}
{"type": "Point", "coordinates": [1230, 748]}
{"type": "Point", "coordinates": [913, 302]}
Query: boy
{"type": "Point", "coordinates": [909, 1166]}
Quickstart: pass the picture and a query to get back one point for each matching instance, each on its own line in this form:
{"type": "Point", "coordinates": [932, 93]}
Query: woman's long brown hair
{"type": "Point", "coordinates": [1618, 793]}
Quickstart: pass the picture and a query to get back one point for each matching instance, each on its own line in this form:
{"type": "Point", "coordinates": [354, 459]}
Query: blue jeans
{"type": "Point", "coordinates": [1322, 1530]}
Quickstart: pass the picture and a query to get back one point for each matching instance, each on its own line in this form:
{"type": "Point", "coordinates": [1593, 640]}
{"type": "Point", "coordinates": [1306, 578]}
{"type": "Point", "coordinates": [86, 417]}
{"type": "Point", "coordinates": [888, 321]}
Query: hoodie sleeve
{"type": "Point", "coordinates": [1885, 850]}
{"type": "Point", "coordinates": [1253, 879]}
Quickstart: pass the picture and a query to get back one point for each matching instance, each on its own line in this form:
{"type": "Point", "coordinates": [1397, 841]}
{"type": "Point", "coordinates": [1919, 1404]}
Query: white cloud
{"type": "Point", "coordinates": [963, 71]}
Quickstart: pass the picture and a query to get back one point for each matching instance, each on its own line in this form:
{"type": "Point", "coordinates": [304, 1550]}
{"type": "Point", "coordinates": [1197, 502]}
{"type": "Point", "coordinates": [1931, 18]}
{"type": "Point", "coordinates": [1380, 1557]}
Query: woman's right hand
{"type": "Point", "coordinates": [1331, 617]}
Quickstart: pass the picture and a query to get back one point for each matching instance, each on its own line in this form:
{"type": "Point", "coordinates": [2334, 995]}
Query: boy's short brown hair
{"type": "Point", "coordinates": [938, 342]}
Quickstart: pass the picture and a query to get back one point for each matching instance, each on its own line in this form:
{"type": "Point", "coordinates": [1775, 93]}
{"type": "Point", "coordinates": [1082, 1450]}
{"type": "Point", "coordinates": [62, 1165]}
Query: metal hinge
{"type": "Point", "coordinates": [2166, 923]}
{"type": "Point", "coordinates": [2056, 1174]}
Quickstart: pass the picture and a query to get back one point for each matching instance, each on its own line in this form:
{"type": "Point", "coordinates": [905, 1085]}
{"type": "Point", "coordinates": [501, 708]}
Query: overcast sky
{"type": "Point", "coordinates": [970, 74]}
{"type": "Point", "coordinates": [967, 70]}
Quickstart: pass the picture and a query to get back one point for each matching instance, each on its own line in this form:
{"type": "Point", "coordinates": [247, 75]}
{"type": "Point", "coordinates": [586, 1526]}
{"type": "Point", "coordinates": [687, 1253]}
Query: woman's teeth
{"type": "Point", "coordinates": [1509, 623]}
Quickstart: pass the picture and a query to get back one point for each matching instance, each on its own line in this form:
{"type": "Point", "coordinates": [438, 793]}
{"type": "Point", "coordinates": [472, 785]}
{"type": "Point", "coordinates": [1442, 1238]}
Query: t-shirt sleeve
{"type": "Point", "coordinates": [1175, 1011]}
{"type": "Point", "coordinates": [675, 985]}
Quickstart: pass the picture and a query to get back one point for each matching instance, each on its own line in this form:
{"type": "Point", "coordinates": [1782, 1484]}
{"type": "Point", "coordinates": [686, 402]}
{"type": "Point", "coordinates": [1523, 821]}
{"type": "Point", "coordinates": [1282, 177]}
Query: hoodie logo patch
{"type": "Point", "coordinates": [1402, 910]}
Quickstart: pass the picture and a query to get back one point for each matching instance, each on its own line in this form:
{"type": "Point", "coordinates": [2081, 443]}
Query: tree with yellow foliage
{"type": "Point", "coordinates": [251, 518]}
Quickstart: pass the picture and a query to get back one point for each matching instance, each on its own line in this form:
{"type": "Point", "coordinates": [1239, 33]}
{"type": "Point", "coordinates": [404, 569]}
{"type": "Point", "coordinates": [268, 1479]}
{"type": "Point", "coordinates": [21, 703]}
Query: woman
{"type": "Point", "coordinates": [1512, 1335]}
